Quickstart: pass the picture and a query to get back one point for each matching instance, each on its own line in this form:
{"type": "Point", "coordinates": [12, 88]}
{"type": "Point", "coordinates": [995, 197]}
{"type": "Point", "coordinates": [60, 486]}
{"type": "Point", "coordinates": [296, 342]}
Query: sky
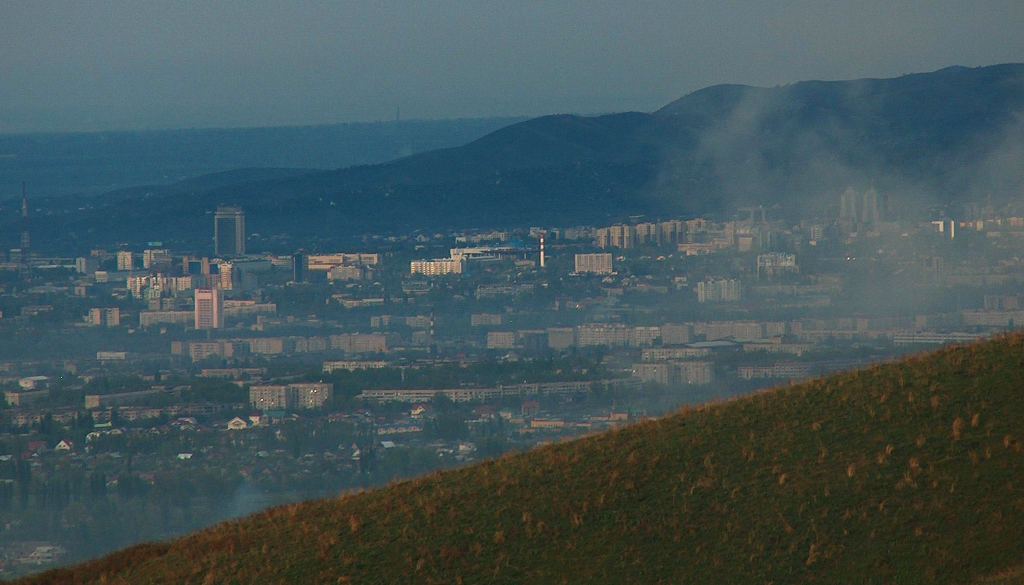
{"type": "Point", "coordinates": [88, 66]}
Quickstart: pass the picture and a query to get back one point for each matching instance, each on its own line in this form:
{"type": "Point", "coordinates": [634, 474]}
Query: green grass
{"type": "Point", "coordinates": [911, 472]}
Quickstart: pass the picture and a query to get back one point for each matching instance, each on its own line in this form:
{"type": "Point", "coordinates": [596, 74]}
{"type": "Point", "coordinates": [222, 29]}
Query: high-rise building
{"type": "Point", "coordinates": [229, 231]}
{"type": "Point", "coordinates": [647, 233]}
{"type": "Point", "coordinates": [622, 236]}
{"type": "Point", "coordinates": [109, 317]}
{"type": "Point", "coordinates": [225, 276]}
{"type": "Point", "coordinates": [300, 263]}
{"type": "Point", "coordinates": [86, 265]}
{"type": "Point", "coordinates": [671, 232]}
{"type": "Point", "coordinates": [209, 310]}
{"type": "Point", "coordinates": [849, 210]}
{"type": "Point", "coordinates": [860, 211]}
{"type": "Point", "coordinates": [153, 259]}
{"type": "Point", "coordinates": [870, 214]}
{"type": "Point", "coordinates": [719, 290]}
{"type": "Point", "coordinates": [125, 261]}
{"type": "Point", "coordinates": [26, 240]}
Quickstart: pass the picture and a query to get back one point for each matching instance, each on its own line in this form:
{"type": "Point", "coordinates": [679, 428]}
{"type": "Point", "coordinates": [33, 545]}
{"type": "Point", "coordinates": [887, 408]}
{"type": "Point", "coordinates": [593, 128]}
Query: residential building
{"type": "Point", "coordinates": [105, 317]}
{"type": "Point", "coordinates": [775, 263]}
{"type": "Point", "coordinates": [718, 290]}
{"type": "Point", "coordinates": [437, 267]}
{"type": "Point", "coordinates": [593, 263]}
{"type": "Point", "coordinates": [560, 338]}
{"type": "Point", "coordinates": [153, 259]}
{"type": "Point", "coordinates": [603, 334]}
{"type": "Point", "coordinates": [150, 318]}
{"type": "Point", "coordinates": [353, 365]}
{"type": "Point", "coordinates": [485, 319]}
{"type": "Point", "coordinates": [290, 397]}
{"type": "Point", "coordinates": [360, 342]}
{"type": "Point", "coordinates": [125, 261]}
{"type": "Point", "coordinates": [676, 334]}
{"type": "Point", "coordinates": [501, 339]}
{"type": "Point", "coordinates": [209, 308]}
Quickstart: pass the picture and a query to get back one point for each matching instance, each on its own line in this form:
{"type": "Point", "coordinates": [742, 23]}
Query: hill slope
{"type": "Point", "coordinates": [92, 163]}
{"type": "Point", "coordinates": [937, 137]}
{"type": "Point", "coordinates": [910, 472]}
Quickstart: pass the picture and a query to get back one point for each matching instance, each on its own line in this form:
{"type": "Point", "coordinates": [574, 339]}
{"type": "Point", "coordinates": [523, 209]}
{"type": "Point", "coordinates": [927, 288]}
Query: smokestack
{"type": "Point", "coordinates": [542, 250]}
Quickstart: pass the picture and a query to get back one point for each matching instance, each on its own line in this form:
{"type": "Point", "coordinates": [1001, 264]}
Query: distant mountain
{"type": "Point", "coordinates": [90, 163]}
{"type": "Point", "coordinates": [935, 138]}
{"type": "Point", "coordinates": [909, 472]}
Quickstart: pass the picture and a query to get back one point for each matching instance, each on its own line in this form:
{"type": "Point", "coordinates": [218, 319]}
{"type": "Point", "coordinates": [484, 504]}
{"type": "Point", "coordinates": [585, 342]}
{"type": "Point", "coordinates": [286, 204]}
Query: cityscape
{"type": "Point", "coordinates": [189, 386]}
{"type": "Point", "coordinates": [504, 293]}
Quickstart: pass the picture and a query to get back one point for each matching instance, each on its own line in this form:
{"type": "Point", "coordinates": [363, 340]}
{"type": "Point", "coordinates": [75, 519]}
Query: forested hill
{"type": "Point", "coordinates": [951, 136]}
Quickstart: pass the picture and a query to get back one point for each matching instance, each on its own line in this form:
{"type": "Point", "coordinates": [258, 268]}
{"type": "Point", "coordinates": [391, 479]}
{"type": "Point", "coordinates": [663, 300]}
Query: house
{"type": "Point", "coordinates": [64, 446]}
{"type": "Point", "coordinates": [44, 555]}
{"type": "Point", "coordinates": [185, 423]}
{"type": "Point", "coordinates": [34, 448]}
{"type": "Point", "coordinates": [237, 424]}
{"type": "Point", "coordinates": [485, 412]}
{"type": "Point", "coordinates": [33, 382]}
{"type": "Point", "coordinates": [184, 456]}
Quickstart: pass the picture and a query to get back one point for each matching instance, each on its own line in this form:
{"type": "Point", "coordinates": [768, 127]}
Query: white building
{"type": "Point", "coordinates": [125, 261]}
{"type": "Point", "coordinates": [593, 263]}
{"type": "Point", "coordinates": [437, 267]}
{"type": "Point", "coordinates": [773, 263]}
{"type": "Point", "coordinates": [720, 290]}
{"type": "Point", "coordinates": [209, 309]}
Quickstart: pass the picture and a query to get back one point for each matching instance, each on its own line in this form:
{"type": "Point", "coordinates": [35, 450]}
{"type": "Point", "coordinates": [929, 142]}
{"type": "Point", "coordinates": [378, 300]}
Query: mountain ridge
{"type": "Point", "coordinates": [83, 164]}
{"type": "Point", "coordinates": [927, 139]}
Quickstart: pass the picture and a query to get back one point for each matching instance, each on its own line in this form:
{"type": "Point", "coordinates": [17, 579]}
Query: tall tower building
{"type": "Point", "coordinates": [871, 215]}
{"type": "Point", "coordinates": [209, 311]}
{"type": "Point", "coordinates": [849, 210]}
{"type": "Point", "coordinates": [125, 261]}
{"type": "Point", "coordinates": [229, 231]}
{"type": "Point", "coordinates": [26, 241]}
{"type": "Point", "coordinates": [225, 279]}
{"type": "Point", "coordinates": [300, 264]}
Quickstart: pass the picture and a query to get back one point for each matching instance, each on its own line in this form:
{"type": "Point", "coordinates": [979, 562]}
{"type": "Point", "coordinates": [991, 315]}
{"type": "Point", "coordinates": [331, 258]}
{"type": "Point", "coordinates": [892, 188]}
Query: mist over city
{"type": "Point", "coordinates": [451, 292]}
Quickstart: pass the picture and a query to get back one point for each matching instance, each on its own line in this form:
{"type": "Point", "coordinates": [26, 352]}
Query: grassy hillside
{"type": "Point", "coordinates": [911, 472]}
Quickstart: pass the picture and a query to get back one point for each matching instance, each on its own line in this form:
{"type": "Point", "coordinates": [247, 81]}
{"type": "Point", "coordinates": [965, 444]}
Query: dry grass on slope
{"type": "Point", "coordinates": [911, 472]}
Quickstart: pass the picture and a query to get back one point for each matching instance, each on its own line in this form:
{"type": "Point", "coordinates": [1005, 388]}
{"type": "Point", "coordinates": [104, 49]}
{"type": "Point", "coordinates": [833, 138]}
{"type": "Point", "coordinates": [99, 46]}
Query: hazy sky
{"type": "Point", "coordinates": [139, 64]}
